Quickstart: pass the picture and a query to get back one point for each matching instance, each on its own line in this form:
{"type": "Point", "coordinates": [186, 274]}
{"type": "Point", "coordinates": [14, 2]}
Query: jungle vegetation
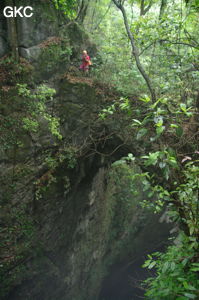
{"type": "Point", "coordinates": [149, 52]}
{"type": "Point", "coordinates": [149, 49]}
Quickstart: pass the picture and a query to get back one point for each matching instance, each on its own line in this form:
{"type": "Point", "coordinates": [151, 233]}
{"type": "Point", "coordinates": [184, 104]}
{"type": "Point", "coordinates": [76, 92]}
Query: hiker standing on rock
{"type": "Point", "coordinates": [86, 62]}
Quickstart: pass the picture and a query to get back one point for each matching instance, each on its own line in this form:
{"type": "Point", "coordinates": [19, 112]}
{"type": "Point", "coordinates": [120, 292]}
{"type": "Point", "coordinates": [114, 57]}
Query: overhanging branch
{"type": "Point", "coordinates": [135, 50]}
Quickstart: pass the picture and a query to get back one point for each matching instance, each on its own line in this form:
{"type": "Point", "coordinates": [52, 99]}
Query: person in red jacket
{"type": "Point", "coordinates": [85, 61]}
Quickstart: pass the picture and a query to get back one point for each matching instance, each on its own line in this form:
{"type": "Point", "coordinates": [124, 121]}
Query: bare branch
{"type": "Point", "coordinates": [135, 51]}
{"type": "Point", "coordinates": [171, 42]}
{"type": "Point", "coordinates": [162, 9]}
{"type": "Point", "coordinates": [143, 9]}
{"type": "Point", "coordinates": [180, 43]}
{"type": "Point", "coordinates": [109, 6]}
{"type": "Point", "coordinates": [148, 7]}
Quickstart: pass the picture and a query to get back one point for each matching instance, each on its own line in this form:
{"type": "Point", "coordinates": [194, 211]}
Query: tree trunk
{"type": "Point", "coordinates": [12, 32]}
{"type": "Point", "coordinates": [144, 9]}
{"type": "Point", "coordinates": [135, 51]}
{"type": "Point", "coordinates": [162, 9]}
{"type": "Point", "coordinates": [82, 11]}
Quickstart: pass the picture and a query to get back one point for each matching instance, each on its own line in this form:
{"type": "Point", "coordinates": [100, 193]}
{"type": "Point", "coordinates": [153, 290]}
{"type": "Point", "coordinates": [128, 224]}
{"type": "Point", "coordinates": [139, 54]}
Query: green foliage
{"type": "Point", "coordinates": [122, 104]}
{"type": "Point", "coordinates": [68, 7]}
{"type": "Point", "coordinates": [30, 125]}
{"type": "Point", "coordinates": [36, 106]}
{"type": "Point", "coordinates": [124, 195]}
{"type": "Point", "coordinates": [187, 193]}
{"type": "Point", "coordinates": [167, 182]}
{"type": "Point", "coordinates": [54, 54]}
{"type": "Point", "coordinates": [13, 72]}
{"type": "Point", "coordinates": [160, 196]}
{"type": "Point", "coordinates": [177, 268]}
{"type": "Point", "coordinates": [26, 111]}
{"type": "Point", "coordinates": [177, 272]}
{"type": "Point", "coordinates": [164, 159]}
{"type": "Point", "coordinates": [129, 158]}
{"type": "Point", "coordinates": [107, 111]}
{"type": "Point", "coordinates": [168, 50]}
{"type": "Point", "coordinates": [167, 46]}
{"type": "Point", "coordinates": [66, 156]}
{"type": "Point", "coordinates": [165, 187]}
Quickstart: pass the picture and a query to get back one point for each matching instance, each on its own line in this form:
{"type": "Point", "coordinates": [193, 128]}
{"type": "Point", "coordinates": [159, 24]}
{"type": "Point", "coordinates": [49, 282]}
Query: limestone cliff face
{"type": "Point", "coordinates": [67, 211]}
{"type": "Point", "coordinates": [45, 24]}
{"type": "Point", "coordinates": [30, 31]}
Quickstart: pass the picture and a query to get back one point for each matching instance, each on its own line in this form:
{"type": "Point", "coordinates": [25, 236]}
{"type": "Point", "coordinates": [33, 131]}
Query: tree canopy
{"type": "Point", "coordinates": [150, 50]}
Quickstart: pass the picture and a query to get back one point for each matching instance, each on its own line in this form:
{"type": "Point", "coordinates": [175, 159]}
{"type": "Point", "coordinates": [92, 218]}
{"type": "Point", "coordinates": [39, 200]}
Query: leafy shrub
{"type": "Point", "coordinates": [177, 272]}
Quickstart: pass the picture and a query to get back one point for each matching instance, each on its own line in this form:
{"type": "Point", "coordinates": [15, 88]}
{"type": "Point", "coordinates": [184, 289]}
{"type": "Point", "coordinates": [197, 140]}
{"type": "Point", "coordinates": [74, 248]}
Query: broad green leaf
{"type": "Point", "coordinates": [173, 265]}
{"type": "Point", "coordinates": [152, 265]}
{"type": "Point", "coordinates": [179, 131]}
{"type": "Point", "coordinates": [162, 165]}
{"type": "Point", "coordinates": [165, 267]}
{"type": "Point", "coordinates": [185, 284]}
{"type": "Point", "coordinates": [159, 130]}
{"type": "Point", "coordinates": [183, 107]}
{"type": "Point", "coordinates": [145, 99]}
{"type": "Point", "coordinates": [141, 133]}
{"type": "Point", "coordinates": [152, 158]}
{"type": "Point", "coordinates": [173, 126]}
{"type": "Point", "coordinates": [137, 122]}
{"type": "Point", "coordinates": [190, 296]}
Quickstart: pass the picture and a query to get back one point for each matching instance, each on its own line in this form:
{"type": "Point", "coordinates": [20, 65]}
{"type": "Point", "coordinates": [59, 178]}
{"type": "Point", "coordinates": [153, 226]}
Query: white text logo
{"type": "Point", "coordinates": [13, 12]}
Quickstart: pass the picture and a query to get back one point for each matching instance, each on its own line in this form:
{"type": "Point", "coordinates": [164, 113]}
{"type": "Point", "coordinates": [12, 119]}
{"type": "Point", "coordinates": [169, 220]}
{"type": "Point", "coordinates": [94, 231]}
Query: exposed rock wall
{"type": "Point", "coordinates": [45, 23]}
{"type": "Point", "coordinates": [69, 229]}
{"type": "Point", "coordinates": [30, 31]}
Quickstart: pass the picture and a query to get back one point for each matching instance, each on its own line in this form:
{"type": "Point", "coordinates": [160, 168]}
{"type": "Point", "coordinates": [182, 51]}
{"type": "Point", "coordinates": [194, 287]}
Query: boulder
{"type": "Point", "coordinates": [44, 23]}
{"type": "Point", "coordinates": [31, 54]}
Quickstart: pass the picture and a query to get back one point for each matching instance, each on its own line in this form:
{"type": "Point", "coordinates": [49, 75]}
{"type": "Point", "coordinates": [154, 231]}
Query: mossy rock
{"type": "Point", "coordinates": [52, 57]}
{"type": "Point", "coordinates": [79, 40]}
